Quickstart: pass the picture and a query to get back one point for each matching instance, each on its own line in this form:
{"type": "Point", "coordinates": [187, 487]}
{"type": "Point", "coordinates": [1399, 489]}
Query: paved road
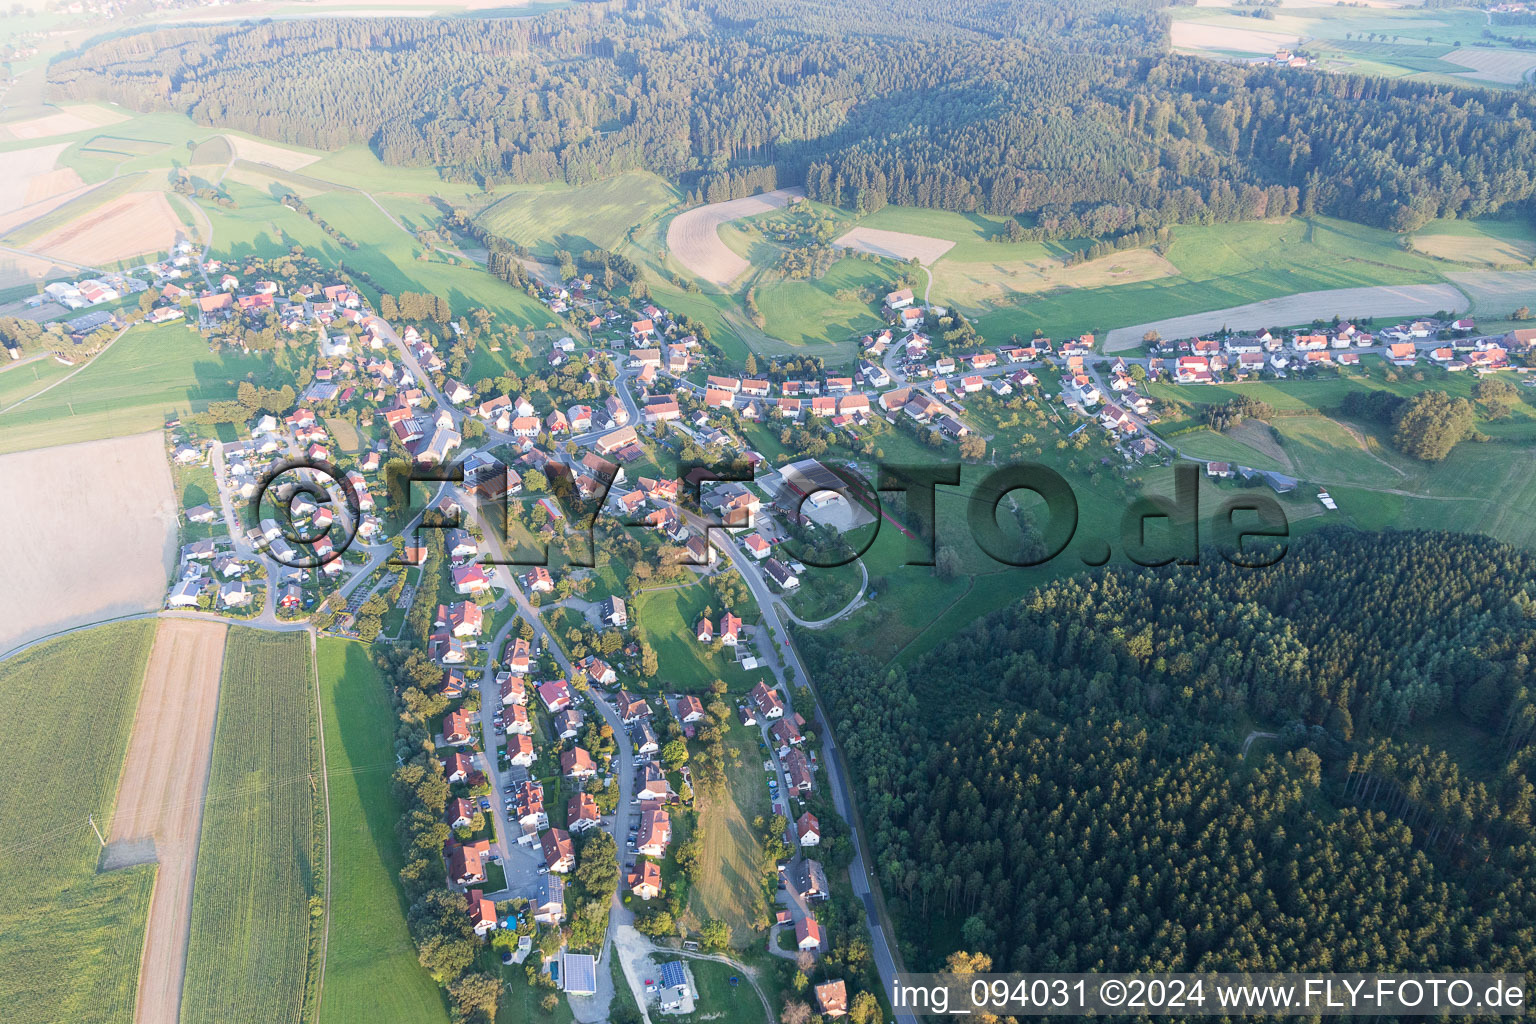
{"type": "Point", "coordinates": [623, 763]}
{"type": "Point", "coordinates": [786, 657]}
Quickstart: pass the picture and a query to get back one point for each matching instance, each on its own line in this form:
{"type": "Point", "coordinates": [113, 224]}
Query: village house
{"type": "Point", "coordinates": [511, 689]}
{"type": "Point", "coordinates": [528, 806]}
{"type": "Point", "coordinates": [466, 861]}
{"type": "Point", "coordinates": [612, 611]}
{"type": "Point", "coordinates": [520, 750]}
{"type": "Point", "coordinates": [655, 832]}
{"type": "Point", "coordinates": [568, 723]}
{"type": "Point", "coordinates": [556, 695]}
{"type": "Point", "coordinates": [482, 913]}
{"type": "Point", "coordinates": [797, 769]}
{"type": "Point", "coordinates": [689, 708]}
{"type": "Point", "coordinates": [808, 830]}
{"type": "Point", "coordinates": [516, 721]}
{"type": "Point", "coordinates": [651, 783]}
{"type": "Point", "coordinates": [549, 904]}
{"type": "Point", "coordinates": [576, 763]}
{"type": "Point", "coordinates": [644, 879]}
{"type": "Point", "coordinates": [460, 813]}
{"type": "Point", "coordinates": [470, 579]}
{"type": "Point", "coordinates": [559, 851]}
{"type": "Point", "coordinates": [832, 998]}
{"type": "Point", "coordinates": [458, 730]}
{"type": "Point", "coordinates": [766, 700]}
{"type": "Point", "coordinates": [781, 574]}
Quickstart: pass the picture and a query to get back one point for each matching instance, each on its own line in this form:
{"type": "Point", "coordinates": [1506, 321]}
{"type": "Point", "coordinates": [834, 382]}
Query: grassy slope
{"type": "Point", "coordinates": [23, 379]}
{"type": "Point", "coordinates": [147, 374]}
{"type": "Point", "coordinates": [575, 219]}
{"type": "Point", "coordinates": [1225, 265]}
{"type": "Point", "coordinates": [727, 891]}
{"type": "Point", "coordinates": [1495, 242]}
{"type": "Point", "coordinates": [246, 957]}
{"type": "Point", "coordinates": [70, 938]}
{"type": "Point", "coordinates": [371, 968]}
{"type": "Point", "coordinates": [389, 255]}
{"type": "Point", "coordinates": [801, 312]}
{"type": "Point", "coordinates": [668, 619]}
{"type": "Point", "coordinates": [1478, 488]}
{"type": "Point", "coordinates": [717, 1000]}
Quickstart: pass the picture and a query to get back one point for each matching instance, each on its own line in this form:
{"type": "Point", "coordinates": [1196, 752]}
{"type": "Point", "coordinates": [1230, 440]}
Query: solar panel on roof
{"type": "Point", "coordinates": [580, 973]}
{"type": "Point", "coordinates": [672, 974]}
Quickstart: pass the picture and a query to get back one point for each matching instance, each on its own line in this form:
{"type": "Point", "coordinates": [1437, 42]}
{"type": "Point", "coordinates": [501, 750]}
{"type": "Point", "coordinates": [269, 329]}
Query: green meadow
{"type": "Point", "coordinates": [371, 972]}
{"type": "Point", "coordinates": [827, 311]}
{"type": "Point", "coordinates": [668, 618]}
{"type": "Point", "coordinates": [598, 216]}
{"type": "Point", "coordinates": [148, 374]}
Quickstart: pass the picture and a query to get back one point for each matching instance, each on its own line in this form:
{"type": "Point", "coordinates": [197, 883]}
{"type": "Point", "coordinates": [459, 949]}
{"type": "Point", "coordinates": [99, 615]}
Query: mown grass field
{"type": "Point", "coordinates": [371, 969]}
{"type": "Point", "coordinates": [575, 219]}
{"type": "Point", "coordinates": [668, 619]}
{"type": "Point", "coordinates": [1405, 41]}
{"type": "Point", "coordinates": [1495, 242]}
{"type": "Point", "coordinates": [1223, 265]}
{"type": "Point", "coordinates": [1480, 487]}
{"type": "Point", "coordinates": [256, 870]}
{"type": "Point", "coordinates": [23, 379]}
{"type": "Point", "coordinates": [147, 374]}
{"type": "Point", "coordinates": [728, 891]}
{"type": "Point", "coordinates": [389, 255]}
{"type": "Point", "coordinates": [1213, 447]}
{"type": "Point", "coordinates": [827, 311]}
{"type": "Point", "coordinates": [717, 1000]}
{"type": "Point", "coordinates": [70, 939]}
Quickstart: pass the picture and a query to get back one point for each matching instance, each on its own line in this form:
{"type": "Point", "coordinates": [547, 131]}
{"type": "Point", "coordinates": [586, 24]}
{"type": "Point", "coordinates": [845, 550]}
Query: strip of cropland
{"type": "Point", "coordinates": [257, 862]}
{"type": "Point", "coordinates": [160, 798]}
{"type": "Point", "coordinates": [371, 971]}
{"type": "Point", "coordinates": [70, 936]}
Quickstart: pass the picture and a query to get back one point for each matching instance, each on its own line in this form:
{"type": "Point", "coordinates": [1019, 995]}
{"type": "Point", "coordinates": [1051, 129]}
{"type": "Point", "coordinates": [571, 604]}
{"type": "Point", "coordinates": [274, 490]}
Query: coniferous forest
{"type": "Point", "coordinates": [1063, 785]}
{"type": "Point", "coordinates": [1074, 114]}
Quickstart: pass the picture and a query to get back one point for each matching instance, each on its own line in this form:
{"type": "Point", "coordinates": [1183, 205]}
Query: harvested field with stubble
{"type": "Point", "coordinates": [1199, 35]}
{"type": "Point", "coordinates": [1505, 67]}
{"type": "Point", "coordinates": [65, 121]}
{"type": "Point", "coordinates": [895, 244]}
{"type": "Point", "coordinates": [269, 153]}
{"type": "Point", "coordinates": [996, 283]}
{"type": "Point", "coordinates": [72, 936]}
{"type": "Point", "coordinates": [23, 168]}
{"type": "Point", "coordinates": [93, 534]}
{"type": "Point", "coordinates": [1382, 300]}
{"type": "Point", "coordinates": [130, 225]}
{"type": "Point", "coordinates": [160, 796]}
{"type": "Point", "coordinates": [693, 237]}
{"type": "Point", "coordinates": [259, 855]}
{"type": "Point", "coordinates": [1496, 293]}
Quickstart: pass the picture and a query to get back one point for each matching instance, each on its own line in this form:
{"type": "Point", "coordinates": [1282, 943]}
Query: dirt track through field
{"type": "Point", "coordinates": [160, 795]}
{"type": "Point", "coordinates": [694, 235]}
{"type": "Point", "coordinates": [1304, 307]}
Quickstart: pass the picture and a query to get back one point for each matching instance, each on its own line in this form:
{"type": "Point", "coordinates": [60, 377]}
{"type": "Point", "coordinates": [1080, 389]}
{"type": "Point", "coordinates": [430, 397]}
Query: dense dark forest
{"type": "Point", "coordinates": [1071, 113]}
{"type": "Point", "coordinates": [1062, 786]}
